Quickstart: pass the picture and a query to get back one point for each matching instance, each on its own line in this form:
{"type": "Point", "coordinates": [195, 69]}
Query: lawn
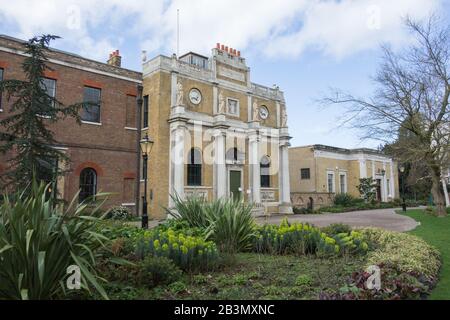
{"type": "Point", "coordinates": [436, 231]}
{"type": "Point", "coordinates": [253, 276]}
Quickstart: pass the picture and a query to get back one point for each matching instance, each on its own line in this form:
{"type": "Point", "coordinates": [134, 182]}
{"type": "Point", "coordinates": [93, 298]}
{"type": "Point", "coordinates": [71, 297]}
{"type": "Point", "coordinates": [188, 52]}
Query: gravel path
{"type": "Point", "coordinates": [381, 218]}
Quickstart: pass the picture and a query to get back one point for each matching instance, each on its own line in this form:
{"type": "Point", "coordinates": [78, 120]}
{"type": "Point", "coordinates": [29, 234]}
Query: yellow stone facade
{"type": "Point", "coordinates": [212, 109]}
{"type": "Point", "coordinates": [336, 170]}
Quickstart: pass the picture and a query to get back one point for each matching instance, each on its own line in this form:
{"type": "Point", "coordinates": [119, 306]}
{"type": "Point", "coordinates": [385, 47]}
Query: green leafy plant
{"type": "Point", "coordinates": [227, 222]}
{"type": "Point", "coordinates": [232, 226]}
{"type": "Point", "coordinates": [191, 210]}
{"type": "Point", "coordinates": [120, 213]}
{"type": "Point", "coordinates": [343, 199]}
{"type": "Point", "coordinates": [188, 252]}
{"type": "Point", "coordinates": [407, 252]}
{"type": "Point", "coordinates": [25, 135]}
{"type": "Point", "coordinates": [337, 228]}
{"type": "Point", "coordinates": [159, 271]}
{"type": "Point", "coordinates": [367, 189]}
{"type": "Point", "coordinates": [304, 239]}
{"type": "Point", "coordinates": [39, 241]}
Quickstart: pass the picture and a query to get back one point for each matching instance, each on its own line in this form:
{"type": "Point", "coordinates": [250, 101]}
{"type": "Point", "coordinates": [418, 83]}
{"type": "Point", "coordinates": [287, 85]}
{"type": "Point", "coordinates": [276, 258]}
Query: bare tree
{"type": "Point", "coordinates": [411, 96]}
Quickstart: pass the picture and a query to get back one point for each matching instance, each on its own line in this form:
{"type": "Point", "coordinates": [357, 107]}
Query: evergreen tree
{"type": "Point", "coordinates": [24, 133]}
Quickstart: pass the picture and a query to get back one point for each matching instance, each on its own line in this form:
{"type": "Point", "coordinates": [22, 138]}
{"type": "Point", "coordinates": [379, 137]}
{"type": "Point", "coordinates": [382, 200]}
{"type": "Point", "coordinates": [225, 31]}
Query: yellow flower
{"type": "Point", "coordinates": [156, 244]}
{"type": "Point", "coordinates": [165, 247]}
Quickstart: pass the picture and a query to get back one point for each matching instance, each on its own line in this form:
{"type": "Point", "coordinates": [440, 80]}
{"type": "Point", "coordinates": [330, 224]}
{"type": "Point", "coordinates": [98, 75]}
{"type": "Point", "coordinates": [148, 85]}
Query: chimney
{"type": "Point", "coordinates": [115, 59]}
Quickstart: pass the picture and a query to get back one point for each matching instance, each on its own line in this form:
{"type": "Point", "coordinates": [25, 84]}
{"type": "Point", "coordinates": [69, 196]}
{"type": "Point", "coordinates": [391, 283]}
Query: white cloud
{"type": "Point", "coordinates": [345, 27]}
{"type": "Point", "coordinates": [273, 28]}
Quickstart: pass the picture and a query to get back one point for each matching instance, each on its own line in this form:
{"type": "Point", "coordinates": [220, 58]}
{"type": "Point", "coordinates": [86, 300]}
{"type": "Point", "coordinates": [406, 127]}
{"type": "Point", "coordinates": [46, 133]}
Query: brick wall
{"type": "Point", "coordinates": [110, 146]}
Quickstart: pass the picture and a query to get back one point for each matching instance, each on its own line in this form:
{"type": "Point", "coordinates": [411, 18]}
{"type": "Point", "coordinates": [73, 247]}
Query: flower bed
{"type": "Point", "coordinates": [190, 253]}
{"type": "Point", "coordinates": [301, 238]}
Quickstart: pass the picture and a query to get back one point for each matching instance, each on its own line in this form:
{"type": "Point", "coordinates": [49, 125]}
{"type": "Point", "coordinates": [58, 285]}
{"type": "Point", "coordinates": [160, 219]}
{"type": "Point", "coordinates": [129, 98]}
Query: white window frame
{"type": "Point", "coordinates": [334, 181]}
{"type": "Point", "coordinates": [53, 95]}
{"type": "Point", "coordinates": [341, 173]}
{"type": "Point", "coordinates": [238, 107]}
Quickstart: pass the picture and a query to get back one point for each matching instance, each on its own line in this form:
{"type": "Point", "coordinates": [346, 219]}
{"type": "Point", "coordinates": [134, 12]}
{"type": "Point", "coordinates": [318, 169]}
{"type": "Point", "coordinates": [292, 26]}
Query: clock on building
{"type": "Point", "coordinates": [263, 112]}
{"type": "Point", "coordinates": [195, 96]}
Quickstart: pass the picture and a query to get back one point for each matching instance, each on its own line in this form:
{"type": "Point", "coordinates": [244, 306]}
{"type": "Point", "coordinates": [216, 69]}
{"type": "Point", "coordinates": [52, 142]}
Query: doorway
{"type": "Point", "coordinates": [235, 184]}
{"type": "Point", "coordinates": [378, 189]}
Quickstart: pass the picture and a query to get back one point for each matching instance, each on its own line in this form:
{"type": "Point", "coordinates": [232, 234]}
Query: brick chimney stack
{"type": "Point", "coordinates": [115, 59]}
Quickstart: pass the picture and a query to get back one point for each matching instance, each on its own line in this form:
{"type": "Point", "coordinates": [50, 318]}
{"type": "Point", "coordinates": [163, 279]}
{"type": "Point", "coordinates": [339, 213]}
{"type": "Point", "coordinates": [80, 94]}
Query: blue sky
{"type": "Point", "coordinates": [304, 46]}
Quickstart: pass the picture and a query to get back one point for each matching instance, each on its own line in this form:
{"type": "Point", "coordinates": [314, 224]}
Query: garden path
{"type": "Point", "coordinates": [380, 218]}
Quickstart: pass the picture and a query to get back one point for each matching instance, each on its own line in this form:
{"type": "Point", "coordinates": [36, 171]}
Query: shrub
{"type": "Point", "coordinates": [191, 210]}
{"type": "Point", "coordinates": [226, 221]}
{"type": "Point", "coordinates": [188, 252]}
{"type": "Point", "coordinates": [159, 271]}
{"type": "Point", "coordinates": [367, 189]}
{"type": "Point", "coordinates": [343, 199]}
{"type": "Point", "coordinates": [303, 239]}
{"type": "Point", "coordinates": [232, 225]}
{"type": "Point", "coordinates": [39, 241]}
{"type": "Point", "coordinates": [303, 280]}
{"type": "Point", "coordinates": [336, 228]}
{"type": "Point", "coordinates": [408, 253]}
{"type": "Point", "coordinates": [181, 226]}
{"type": "Point", "coordinates": [117, 229]}
{"type": "Point", "coordinates": [299, 210]}
{"type": "Point", "coordinates": [120, 213]}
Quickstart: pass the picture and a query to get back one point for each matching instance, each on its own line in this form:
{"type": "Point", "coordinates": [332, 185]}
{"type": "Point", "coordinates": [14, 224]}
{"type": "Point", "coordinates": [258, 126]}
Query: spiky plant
{"type": "Point", "coordinates": [40, 240]}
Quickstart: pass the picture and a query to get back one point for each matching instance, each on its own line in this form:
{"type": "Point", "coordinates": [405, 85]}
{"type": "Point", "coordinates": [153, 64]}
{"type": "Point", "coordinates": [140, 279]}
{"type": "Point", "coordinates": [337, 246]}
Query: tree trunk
{"type": "Point", "coordinates": [438, 192]}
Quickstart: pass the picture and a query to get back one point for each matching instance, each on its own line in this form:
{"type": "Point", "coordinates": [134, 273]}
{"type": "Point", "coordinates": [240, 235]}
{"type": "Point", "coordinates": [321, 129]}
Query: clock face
{"type": "Point", "coordinates": [263, 112]}
{"type": "Point", "coordinates": [195, 96]}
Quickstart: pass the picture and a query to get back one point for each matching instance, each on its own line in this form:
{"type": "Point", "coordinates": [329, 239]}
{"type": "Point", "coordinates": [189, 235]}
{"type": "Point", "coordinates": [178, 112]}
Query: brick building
{"type": "Point", "coordinates": [103, 148]}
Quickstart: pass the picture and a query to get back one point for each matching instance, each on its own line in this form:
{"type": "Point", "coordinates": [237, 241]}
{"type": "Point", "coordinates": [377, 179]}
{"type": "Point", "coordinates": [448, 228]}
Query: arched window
{"type": "Point", "coordinates": [232, 154]}
{"type": "Point", "coordinates": [88, 184]}
{"type": "Point", "coordinates": [194, 168]}
{"type": "Point", "coordinates": [265, 172]}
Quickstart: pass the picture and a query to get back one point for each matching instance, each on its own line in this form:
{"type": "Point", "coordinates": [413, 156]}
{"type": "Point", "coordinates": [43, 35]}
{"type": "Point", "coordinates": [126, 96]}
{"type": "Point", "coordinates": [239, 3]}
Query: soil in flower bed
{"type": "Point", "coordinates": [253, 276]}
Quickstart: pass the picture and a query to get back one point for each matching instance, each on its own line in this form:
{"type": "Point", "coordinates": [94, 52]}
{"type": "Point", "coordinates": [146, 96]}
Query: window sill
{"type": "Point", "coordinates": [43, 117]}
{"type": "Point", "coordinates": [146, 128]}
{"type": "Point", "coordinates": [128, 204]}
{"type": "Point", "coordinates": [91, 123]}
{"type": "Point", "coordinates": [129, 128]}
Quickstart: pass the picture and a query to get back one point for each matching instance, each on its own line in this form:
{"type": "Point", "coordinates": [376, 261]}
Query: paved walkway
{"type": "Point", "coordinates": [381, 218]}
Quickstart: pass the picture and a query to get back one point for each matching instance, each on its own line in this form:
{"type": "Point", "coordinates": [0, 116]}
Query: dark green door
{"type": "Point", "coordinates": [235, 184]}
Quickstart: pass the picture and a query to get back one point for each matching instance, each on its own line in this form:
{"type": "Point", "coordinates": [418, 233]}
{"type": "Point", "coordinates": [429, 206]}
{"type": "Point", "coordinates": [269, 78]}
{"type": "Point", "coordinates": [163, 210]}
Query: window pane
{"type": "Point", "coordinates": [330, 182]}
{"type": "Point", "coordinates": [265, 172]}
{"type": "Point", "coordinates": [342, 183]}
{"type": "Point", "coordinates": [88, 184]}
{"type": "Point", "coordinates": [91, 110]}
{"type": "Point", "coordinates": [145, 113]}
{"type": "Point", "coordinates": [49, 85]}
{"type": "Point", "coordinates": [305, 173]}
{"type": "Point", "coordinates": [194, 168]}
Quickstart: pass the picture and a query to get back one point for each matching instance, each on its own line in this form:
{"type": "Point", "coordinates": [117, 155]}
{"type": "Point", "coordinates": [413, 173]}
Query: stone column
{"type": "Point", "coordinates": [362, 169]}
{"type": "Point", "coordinates": [254, 161]}
{"type": "Point", "coordinates": [173, 88]}
{"type": "Point", "coordinates": [219, 165]}
{"type": "Point", "coordinates": [285, 190]}
{"type": "Point", "coordinates": [177, 158]}
{"type": "Point", "coordinates": [392, 180]}
{"type": "Point", "coordinates": [385, 193]}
